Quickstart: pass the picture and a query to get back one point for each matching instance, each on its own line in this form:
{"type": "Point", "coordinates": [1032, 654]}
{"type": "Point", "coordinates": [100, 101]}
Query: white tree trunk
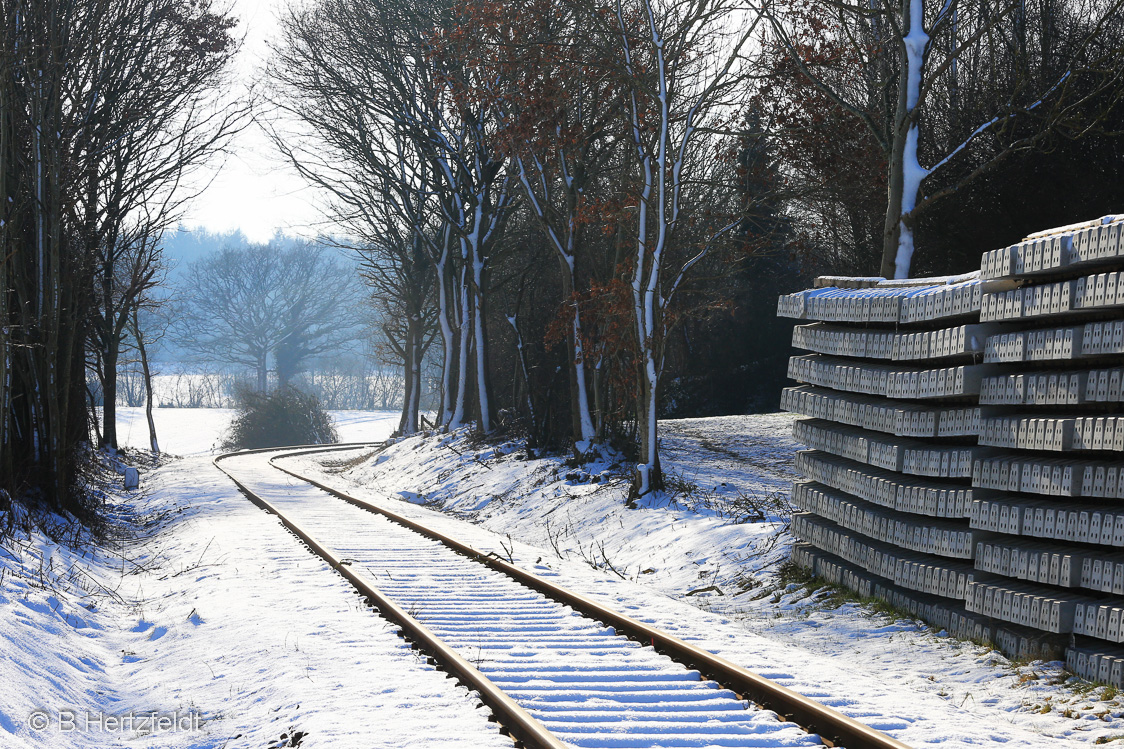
{"type": "Point", "coordinates": [916, 41]}
{"type": "Point", "coordinates": [588, 432]}
{"type": "Point", "coordinates": [465, 320]}
{"type": "Point", "coordinates": [448, 338]}
{"type": "Point", "coordinates": [481, 363]}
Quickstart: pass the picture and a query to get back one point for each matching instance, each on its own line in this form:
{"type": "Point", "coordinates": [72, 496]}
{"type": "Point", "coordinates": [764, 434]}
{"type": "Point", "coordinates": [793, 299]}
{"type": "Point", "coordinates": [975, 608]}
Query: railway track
{"type": "Point", "coordinates": [556, 669]}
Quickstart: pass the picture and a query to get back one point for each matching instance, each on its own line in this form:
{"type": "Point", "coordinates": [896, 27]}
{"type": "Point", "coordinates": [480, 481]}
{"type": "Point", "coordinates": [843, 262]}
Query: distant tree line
{"type": "Point", "coordinates": [292, 312]}
{"type": "Point", "coordinates": [106, 109]}
{"type": "Point", "coordinates": [589, 207]}
{"type": "Point", "coordinates": [232, 314]}
{"type": "Point", "coordinates": [266, 305]}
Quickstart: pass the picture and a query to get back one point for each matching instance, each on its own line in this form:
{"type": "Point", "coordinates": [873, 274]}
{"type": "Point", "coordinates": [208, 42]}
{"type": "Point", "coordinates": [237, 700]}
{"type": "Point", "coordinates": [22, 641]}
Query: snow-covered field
{"type": "Point", "coordinates": [196, 431]}
{"type": "Point", "coordinates": [209, 612]}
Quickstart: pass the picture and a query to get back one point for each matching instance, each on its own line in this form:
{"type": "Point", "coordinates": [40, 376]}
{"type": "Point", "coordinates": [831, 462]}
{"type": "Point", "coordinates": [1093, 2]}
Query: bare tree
{"type": "Point", "coordinates": [380, 185]}
{"type": "Point", "coordinates": [137, 268]}
{"type": "Point", "coordinates": [554, 96]}
{"type": "Point", "coordinates": [45, 408]}
{"type": "Point", "coordinates": [683, 83]}
{"type": "Point", "coordinates": [144, 335]}
{"type": "Point", "coordinates": [378, 84]}
{"type": "Point", "coordinates": [244, 306]}
{"type": "Point", "coordinates": [401, 279]}
{"type": "Point", "coordinates": [155, 114]}
{"type": "Point", "coordinates": [87, 87]}
{"type": "Point", "coordinates": [7, 154]}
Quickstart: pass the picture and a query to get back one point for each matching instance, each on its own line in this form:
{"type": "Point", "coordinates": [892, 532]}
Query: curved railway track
{"type": "Point", "coordinates": [556, 668]}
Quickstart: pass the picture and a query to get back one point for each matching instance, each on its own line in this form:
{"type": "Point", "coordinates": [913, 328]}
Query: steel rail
{"type": "Point", "coordinates": [520, 724]}
{"type": "Point", "coordinates": [833, 727]}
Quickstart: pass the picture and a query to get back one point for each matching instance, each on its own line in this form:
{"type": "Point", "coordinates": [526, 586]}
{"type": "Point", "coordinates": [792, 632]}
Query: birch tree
{"type": "Point", "coordinates": [467, 156]}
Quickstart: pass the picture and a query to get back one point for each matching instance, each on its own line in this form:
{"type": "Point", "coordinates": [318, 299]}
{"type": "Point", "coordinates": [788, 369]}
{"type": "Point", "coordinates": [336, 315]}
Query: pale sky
{"type": "Point", "coordinates": [255, 191]}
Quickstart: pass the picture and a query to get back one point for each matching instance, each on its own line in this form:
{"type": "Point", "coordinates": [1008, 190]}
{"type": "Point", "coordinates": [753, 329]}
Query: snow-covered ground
{"type": "Point", "coordinates": [707, 545]}
{"type": "Point", "coordinates": [211, 617]}
{"type": "Point", "coordinates": [207, 611]}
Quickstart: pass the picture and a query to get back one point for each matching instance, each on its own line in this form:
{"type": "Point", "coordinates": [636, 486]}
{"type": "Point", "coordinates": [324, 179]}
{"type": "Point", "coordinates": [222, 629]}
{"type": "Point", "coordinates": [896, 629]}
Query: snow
{"type": "Point", "coordinates": [916, 44]}
{"type": "Point", "coordinates": [921, 686]}
{"type": "Point", "coordinates": [196, 431]}
{"type": "Point", "coordinates": [964, 143]}
{"type": "Point", "coordinates": [215, 613]}
{"type": "Point", "coordinates": [209, 609]}
{"type": "Point", "coordinates": [930, 280]}
{"type": "Point", "coordinates": [1069, 228]}
{"type": "Point", "coordinates": [588, 685]}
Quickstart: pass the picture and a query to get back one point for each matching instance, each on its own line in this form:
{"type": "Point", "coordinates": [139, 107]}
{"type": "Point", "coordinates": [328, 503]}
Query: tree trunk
{"type": "Point", "coordinates": [480, 341]}
{"type": "Point", "coordinates": [404, 427]}
{"type": "Point", "coordinates": [415, 404]}
{"type": "Point", "coordinates": [153, 444]}
{"type": "Point", "coordinates": [445, 279]}
{"type": "Point", "coordinates": [464, 340]}
{"type": "Point", "coordinates": [411, 374]}
{"type": "Point", "coordinates": [587, 430]}
{"type": "Point", "coordinates": [649, 474]}
{"type": "Point", "coordinates": [6, 456]}
{"type": "Point", "coordinates": [110, 356]}
{"type": "Point", "coordinates": [581, 421]}
{"type": "Point", "coordinates": [526, 380]}
{"type": "Point", "coordinates": [600, 395]}
{"type": "Point", "coordinates": [892, 228]}
{"type": "Point", "coordinates": [285, 364]}
{"type": "Point", "coordinates": [904, 170]}
{"type": "Point", "coordinates": [93, 415]}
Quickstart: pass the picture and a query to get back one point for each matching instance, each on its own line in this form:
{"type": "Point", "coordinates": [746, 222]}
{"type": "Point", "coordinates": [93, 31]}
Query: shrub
{"type": "Point", "coordinates": [278, 419]}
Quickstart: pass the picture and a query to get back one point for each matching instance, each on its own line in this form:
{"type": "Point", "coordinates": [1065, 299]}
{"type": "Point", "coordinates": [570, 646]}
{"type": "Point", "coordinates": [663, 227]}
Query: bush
{"type": "Point", "coordinates": [278, 419]}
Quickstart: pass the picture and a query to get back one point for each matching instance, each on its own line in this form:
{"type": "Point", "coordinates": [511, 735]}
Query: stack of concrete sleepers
{"type": "Point", "coordinates": [965, 439]}
{"type": "Point", "coordinates": [1052, 412]}
{"type": "Point", "coordinates": [890, 398]}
